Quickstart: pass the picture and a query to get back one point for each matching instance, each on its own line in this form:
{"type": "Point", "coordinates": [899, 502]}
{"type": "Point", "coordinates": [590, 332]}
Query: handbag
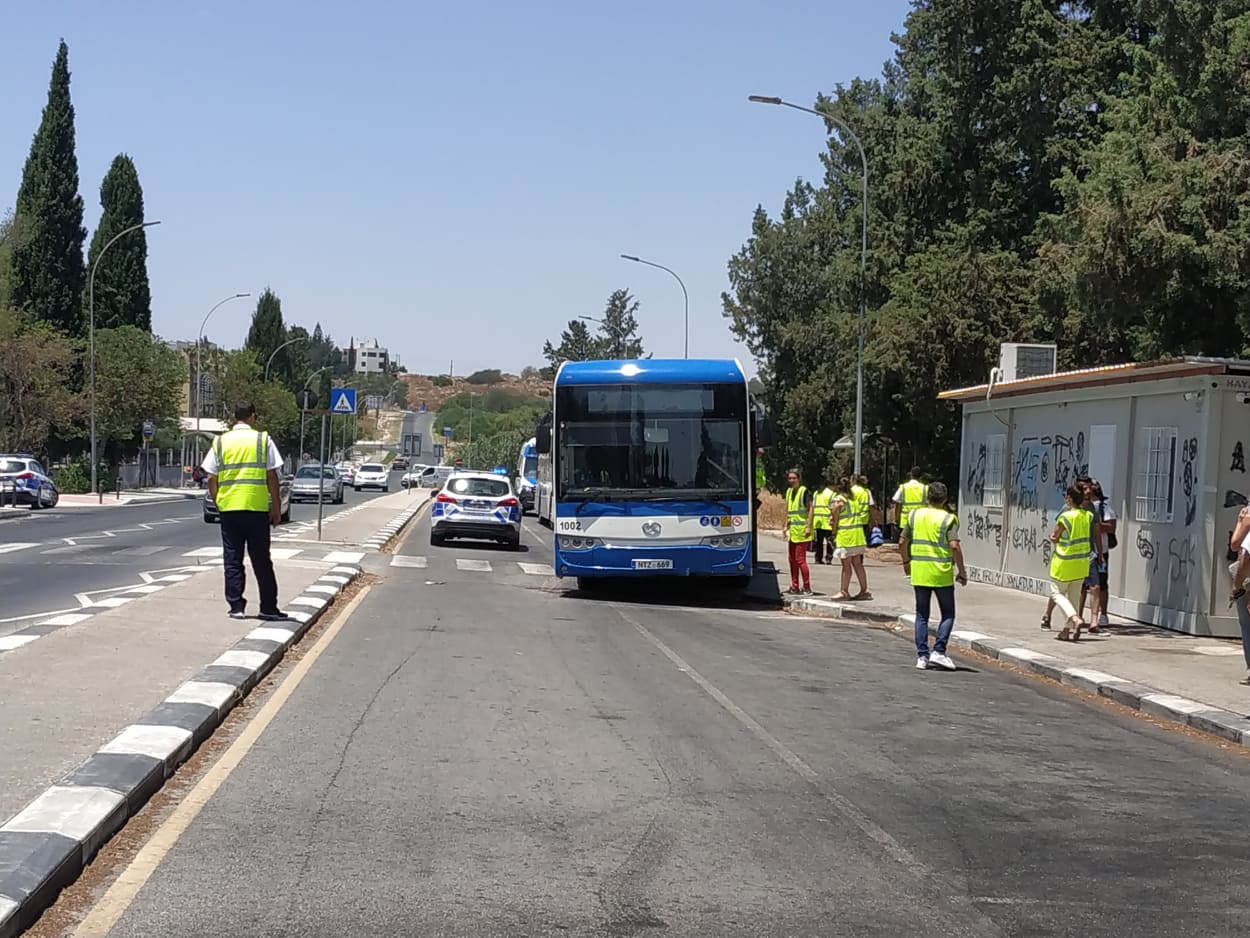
{"type": "Point", "coordinates": [1112, 540]}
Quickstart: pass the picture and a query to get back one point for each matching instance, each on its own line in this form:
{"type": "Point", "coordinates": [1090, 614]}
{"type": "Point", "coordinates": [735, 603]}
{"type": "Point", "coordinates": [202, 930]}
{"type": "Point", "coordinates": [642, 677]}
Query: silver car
{"type": "Point", "coordinates": [317, 482]}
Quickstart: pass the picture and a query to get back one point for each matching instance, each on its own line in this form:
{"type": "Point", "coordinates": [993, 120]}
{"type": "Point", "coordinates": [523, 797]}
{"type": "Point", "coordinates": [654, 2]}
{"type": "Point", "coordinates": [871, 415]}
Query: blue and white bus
{"type": "Point", "coordinates": [527, 474]}
{"type": "Point", "coordinates": [649, 468]}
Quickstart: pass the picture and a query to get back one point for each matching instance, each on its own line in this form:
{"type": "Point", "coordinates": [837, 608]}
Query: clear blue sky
{"type": "Point", "coordinates": [456, 180]}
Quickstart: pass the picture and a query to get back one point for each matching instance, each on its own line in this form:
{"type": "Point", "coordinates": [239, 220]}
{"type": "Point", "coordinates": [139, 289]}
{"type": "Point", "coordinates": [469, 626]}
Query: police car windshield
{"type": "Point", "coordinates": [480, 488]}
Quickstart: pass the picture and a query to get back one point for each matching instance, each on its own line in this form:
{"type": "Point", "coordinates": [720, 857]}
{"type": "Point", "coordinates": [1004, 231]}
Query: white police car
{"type": "Point", "coordinates": [24, 481]}
{"type": "Point", "coordinates": [476, 505]}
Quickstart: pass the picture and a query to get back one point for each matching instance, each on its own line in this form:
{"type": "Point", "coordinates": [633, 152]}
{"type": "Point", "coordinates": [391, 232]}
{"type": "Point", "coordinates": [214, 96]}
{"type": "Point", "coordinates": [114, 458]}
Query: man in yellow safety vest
{"type": "Point", "coordinates": [798, 531]}
{"type": "Point", "coordinates": [909, 496]}
{"type": "Point", "coordinates": [1073, 538]}
{"type": "Point", "coordinates": [242, 468]}
{"type": "Point", "coordinates": [822, 524]}
{"type": "Point", "coordinates": [931, 554]}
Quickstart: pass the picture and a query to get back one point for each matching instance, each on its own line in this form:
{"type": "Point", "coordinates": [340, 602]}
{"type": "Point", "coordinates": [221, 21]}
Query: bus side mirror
{"type": "Point", "coordinates": [542, 439]}
{"type": "Point", "coordinates": [765, 431]}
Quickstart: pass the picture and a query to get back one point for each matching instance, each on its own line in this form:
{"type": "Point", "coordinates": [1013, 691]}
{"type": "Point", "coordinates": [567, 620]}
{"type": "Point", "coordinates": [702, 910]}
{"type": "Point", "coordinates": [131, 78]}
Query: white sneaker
{"type": "Point", "coordinates": [943, 662]}
{"type": "Point", "coordinates": [922, 664]}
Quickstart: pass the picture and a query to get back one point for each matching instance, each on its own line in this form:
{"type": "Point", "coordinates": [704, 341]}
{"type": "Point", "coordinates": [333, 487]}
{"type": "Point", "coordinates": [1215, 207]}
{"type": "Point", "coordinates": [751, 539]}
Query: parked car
{"type": "Point", "coordinates": [399, 463]}
{"type": "Point", "coordinates": [23, 476]}
{"type": "Point", "coordinates": [477, 505]}
{"type": "Point", "coordinates": [317, 482]}
{"type": "Point", "coordinates": [213, 516]}
{"type": "Point", "coordinates": [347, 471]}
{"type": "Point", "coordinates": [372, 475]}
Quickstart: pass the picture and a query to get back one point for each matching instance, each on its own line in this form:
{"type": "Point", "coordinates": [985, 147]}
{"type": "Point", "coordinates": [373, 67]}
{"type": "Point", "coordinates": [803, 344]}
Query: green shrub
{"type": "Point", "coordinates": [485, 376]}
{"type": "Point", "coordinates": [73, 478]}
{"type": "Point", "coordinates": [441, 381]}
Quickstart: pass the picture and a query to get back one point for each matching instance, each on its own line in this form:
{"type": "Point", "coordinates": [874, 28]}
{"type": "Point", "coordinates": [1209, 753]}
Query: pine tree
{"type": "Point", "coordinates": [576, 345]}
{"type": "Point", "coordinates": [122, 294]}
{"type": "Point", "coordinates": [267, 332]}
{"type": "Point", "coordinates": [618, 330]}
{"type": "Point", "coordinates": [48, 275]}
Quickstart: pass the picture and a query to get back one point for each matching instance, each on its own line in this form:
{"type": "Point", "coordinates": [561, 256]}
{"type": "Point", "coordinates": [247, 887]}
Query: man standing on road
{"type": "Point", "coordinates": [242, 468]}
{"type": "Point", "coordinates": [930, 543]}
{"type": "Point", "coordinates": [909, 496]}
{"type": "Point", "coordinates": [798, 531]}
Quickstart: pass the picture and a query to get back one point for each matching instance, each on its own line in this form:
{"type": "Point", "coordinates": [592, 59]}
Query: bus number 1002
{"type": "Point", "coordinates": [570, 525]}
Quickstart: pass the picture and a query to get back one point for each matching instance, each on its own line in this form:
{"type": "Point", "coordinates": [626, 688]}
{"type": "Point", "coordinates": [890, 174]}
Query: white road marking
{"type": "Point", "coordinates": [477, 566]}
{"type": "Point", "coordinates": [537, 569]}
{"type": "Point", "coordinates": [344, 556]}
{"type": "Point", "coordinates": [399, 560]}
{"type": "Point", "coordinates": [112, 602]}
{"type": "Point", "coordinates": [145, 590]}
{"type": "Point", "coordinates": [34, 615]}
{"type": "Point", "coordinates": [9, 548]}
{"type": "Point", "coordinates": [204, 552]}
{"type": "Point", "coordinates": [9, 642]}
{"type": "Point", "coordinates": [173, 578]}
{"type": "Point", "coordinates": [69, 618]}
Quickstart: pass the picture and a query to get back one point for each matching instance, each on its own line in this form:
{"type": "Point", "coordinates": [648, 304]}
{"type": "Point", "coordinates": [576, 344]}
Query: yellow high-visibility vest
{"type": "Point", "coordinates": [796, 515]}
{"type": "Point", "coordinates": [1070, 561]}
{"type": "Point", "coordinates": [850, 528]}
{"type": "Point", "coordinates": [859, 494]}
{"type": "Point", "coordinates": [929, 533]}
{"type": "Point", "coordinates": [822, 510]}
{"type": "Point", "coordinates": [242, 470]}
{"type": "Point", "coordinates": [914, 496]}
{"type": "Point", "coordinates": [761, 477]}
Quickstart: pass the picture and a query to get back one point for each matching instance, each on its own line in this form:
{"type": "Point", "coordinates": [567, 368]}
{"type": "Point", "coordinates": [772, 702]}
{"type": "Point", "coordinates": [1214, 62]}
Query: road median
{"type": "Point", "coordinates": [137, 678]}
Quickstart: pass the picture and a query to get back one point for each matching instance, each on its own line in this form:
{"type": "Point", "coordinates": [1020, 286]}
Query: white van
{"type": "Point", "coordinates": [431, 476]}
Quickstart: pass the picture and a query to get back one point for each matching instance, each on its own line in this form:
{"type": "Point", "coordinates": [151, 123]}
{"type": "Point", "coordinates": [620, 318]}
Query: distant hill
{"type": "Point", "coordinates": [434, 389]}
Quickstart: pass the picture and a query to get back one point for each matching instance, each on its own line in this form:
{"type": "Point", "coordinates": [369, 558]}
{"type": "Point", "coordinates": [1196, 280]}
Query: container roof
{"type": "Point", "coordinates": [1105, 375]}
{"type": "Point", "coordinates": [651, 371]}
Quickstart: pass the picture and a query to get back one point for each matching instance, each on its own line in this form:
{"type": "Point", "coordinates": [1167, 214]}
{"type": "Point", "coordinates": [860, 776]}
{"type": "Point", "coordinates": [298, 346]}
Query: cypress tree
{"type": "Point", "coordinates": [122, 294]}
{"type": "Point", "coordinates": [47, 274]}
{"type": "Point", "coordinates": [267, 331]}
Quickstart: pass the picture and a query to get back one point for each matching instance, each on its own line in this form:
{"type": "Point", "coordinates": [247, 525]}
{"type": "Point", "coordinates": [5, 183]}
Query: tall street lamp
{"type": "Point", "coordinates": [298, 338]}
{"type": "Point", "coordinates": [616, 340]}
{"type": "Point", "coordinates": [91, 336]}
{"type": "Point", "coordinates": [863, 262]}
{"type": "Point", "coordinates": [299, 459]}
{"type": "Point", "coordinates": [199, 350]}
{"type": "Point", "coordinates": [685, 295]}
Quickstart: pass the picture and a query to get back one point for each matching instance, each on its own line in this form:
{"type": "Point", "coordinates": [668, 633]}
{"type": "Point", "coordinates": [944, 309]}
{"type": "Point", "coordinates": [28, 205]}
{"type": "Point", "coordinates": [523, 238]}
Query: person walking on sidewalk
{"type": "Point", "coordinates": [1070, 561]}
{"type": "Point", "coordinates": [822, 524]}
{"type": "Point", "coordinates": [1104, 539]}
{"type": "Point", "coordinates": [1239, 570]}
{"type": "Point", "coordinates": [798, 531]}
{"type": "Point", "coordinates": [850, 512]}
{"type": "Point", "coordinates": [909, 496]}
{"type": "Point", "coordinates": [242, 467]}
{"type": "Point", "coordinates": [932, 557]}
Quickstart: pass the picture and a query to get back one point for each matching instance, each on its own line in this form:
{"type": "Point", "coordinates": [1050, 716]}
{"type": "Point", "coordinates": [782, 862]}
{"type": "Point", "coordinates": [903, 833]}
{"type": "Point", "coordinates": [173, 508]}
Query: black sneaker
{"type": "Point", "coordinates": [278, 616]}
{"type": "Point", "coordinates": [238, 614]}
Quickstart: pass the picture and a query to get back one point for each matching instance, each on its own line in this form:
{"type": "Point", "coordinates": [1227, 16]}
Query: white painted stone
{"type": "Point", "coordinates": [323, 590]}
{"type": "Point", "coordinates": [344, 556]}
{"type": "Point", "coordinates": [1174, 703]}
{"type": "Point", "coordinates": [9, 642]}
{"type": "Point", "coordinates": [74, 811]}
{"type": "Point", "coordinates": [1093, 677]}
{"type": "Point", "coordinates": [969, 636]}
{"type": "Point", "coordinates": [312, 602]}
{"type": "Point", "coordinates": [347, 571]}
{"type": "Point", "coordinates": [335, 578]}
{"type": "Point", "coordinates": [8, 908]}
{"type": "Point", "coordinates": [159, 742]}
{"type": "Point", "coordinates": [210, 693]}
{"type": "Point", "coordinates": [67, 618]}
{"type": "Point", "coordinates": [237, 658]}
{"type": "Point", "coordinates": [537, 569]}
{"type": "Point", "coordinates": [1025, 654]}
{"type": "Point", "coordinates": [300, 617]}
{"type": "Point", "coordinates": [269, 634]}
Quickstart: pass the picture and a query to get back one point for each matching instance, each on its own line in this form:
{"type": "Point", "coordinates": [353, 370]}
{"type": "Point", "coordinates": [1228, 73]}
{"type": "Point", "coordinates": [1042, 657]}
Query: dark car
{"type": "Point", "coordinates": [399, 462]}
{"type": "Point", "coordinates": [212, 516]}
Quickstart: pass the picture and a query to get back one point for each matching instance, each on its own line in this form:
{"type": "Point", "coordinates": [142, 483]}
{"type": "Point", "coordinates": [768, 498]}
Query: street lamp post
{"type": "Point", "coordinates": [685, 296]}
{"type": "Point", "coordinates": [91, 336]}
{"type": "Point", "coordinates": [199, 349]}
{"type": "Point", "coordinates": [616, 340]}
{"type": "Point", "coordinates": [303, 413]}
{"type": "Point", "coordinates": [863, 262]}
{"type": "Point", "coordinates": [298, 338]}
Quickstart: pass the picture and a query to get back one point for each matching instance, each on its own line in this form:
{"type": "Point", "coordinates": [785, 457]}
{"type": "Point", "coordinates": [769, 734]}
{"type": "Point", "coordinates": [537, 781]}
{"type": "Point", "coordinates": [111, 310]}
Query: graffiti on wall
{"type": "Point", "coordinates": [1189, 478]}
{"type": "Point", "coordinates": [1177, 564]}
{"type": "Point", "coordinates": [1044, 467]}
{"type": "Point", "coordinates": [1239, 460]}
{"type": "Point", "coordinates": [981, 526]}
{"type": "Point", "coordinates": [976, 477]}
{"type": "Point", "coordinates": [1235, 499]}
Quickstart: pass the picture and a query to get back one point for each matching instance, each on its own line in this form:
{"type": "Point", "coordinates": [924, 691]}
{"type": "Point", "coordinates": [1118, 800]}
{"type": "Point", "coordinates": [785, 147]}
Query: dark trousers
{"type": "Point", "coordinates": [824, 545]}
{"type": "Point", "coordinates": [248, 530]}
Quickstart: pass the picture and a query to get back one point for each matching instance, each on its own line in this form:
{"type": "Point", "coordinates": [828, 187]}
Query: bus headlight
{"type": "Point", "coordinates": [725, 541]}
{"type": "Point", "coordinates": [579, 543]}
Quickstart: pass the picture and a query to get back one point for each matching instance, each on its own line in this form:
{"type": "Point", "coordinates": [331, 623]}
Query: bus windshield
{"type": "Point", "coordinates": [651, 440]}
{"type": "Point", "coordinates": [531, 467]}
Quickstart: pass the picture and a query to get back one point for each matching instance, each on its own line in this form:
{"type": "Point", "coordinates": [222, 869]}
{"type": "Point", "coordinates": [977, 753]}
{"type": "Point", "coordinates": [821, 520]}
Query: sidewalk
{"type": "Point", "coordinates": [95, 714]}
{"type": "Point", "coordinates": [367, 524]}
{"type": "Point", "coordinates": [1196, 674]}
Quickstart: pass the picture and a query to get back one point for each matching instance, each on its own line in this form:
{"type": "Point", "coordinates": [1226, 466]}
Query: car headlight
{"type": "Point", "coordinates": [579, 543]}
{"type": "Point", "coordinates": [725, 541]}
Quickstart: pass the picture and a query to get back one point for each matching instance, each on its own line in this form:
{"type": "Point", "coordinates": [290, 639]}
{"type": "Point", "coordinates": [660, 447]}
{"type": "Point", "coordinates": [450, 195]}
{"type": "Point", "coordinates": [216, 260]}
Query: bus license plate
{"type": "Point", "coordinates": [653, 565]}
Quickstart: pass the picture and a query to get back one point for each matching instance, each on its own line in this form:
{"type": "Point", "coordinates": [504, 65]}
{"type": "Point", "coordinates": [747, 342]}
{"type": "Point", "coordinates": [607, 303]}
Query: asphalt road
{"type": "Point", "coordinates": [50, 559]}
{"type": "Point", "coordinates": [480, 753]}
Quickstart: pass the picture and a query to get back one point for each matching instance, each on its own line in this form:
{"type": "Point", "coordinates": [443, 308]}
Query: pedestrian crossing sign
{"type": "Point", "coordinates": [343, 401]}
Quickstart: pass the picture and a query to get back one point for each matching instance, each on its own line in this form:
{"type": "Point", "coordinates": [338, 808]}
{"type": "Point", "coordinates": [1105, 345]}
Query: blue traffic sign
{"type": "Point", "coordinates": [342, 400]}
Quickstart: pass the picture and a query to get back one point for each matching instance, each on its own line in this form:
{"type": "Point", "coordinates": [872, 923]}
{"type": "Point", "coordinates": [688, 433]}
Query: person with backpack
{"type": "Point", "coordinates": [1104, 542]}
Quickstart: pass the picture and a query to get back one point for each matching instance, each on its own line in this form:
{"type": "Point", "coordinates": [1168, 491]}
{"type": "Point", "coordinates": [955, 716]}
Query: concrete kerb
{"type": "Point", "coordinates": [383, 535]}
{"type": "Point", "coordinates": [1225, 724]}
{"type": "Point", "coordinates": [46, 845]}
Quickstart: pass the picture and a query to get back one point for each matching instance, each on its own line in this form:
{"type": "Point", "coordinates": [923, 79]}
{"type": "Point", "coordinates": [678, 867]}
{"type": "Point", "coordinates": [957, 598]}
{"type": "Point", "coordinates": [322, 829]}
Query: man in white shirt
{"type": "Point", "coordinates": [1105, 522]}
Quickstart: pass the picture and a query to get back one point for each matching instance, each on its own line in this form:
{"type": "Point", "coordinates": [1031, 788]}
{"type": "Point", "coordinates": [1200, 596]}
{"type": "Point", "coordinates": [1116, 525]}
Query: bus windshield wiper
{"type": "Point", "coordinates": [592, 495]}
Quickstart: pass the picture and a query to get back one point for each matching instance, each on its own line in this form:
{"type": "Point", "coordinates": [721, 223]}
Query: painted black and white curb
{"type": "Point", "coordinates": [379, 538]}
{"type": "Point", "coordinates": [1225, 724]}
{"type": "Point", "coordinates": [45, 846]}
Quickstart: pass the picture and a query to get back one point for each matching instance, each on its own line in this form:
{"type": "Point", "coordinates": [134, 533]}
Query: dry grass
{"type": "Point", "coordinates": [772, 514]}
